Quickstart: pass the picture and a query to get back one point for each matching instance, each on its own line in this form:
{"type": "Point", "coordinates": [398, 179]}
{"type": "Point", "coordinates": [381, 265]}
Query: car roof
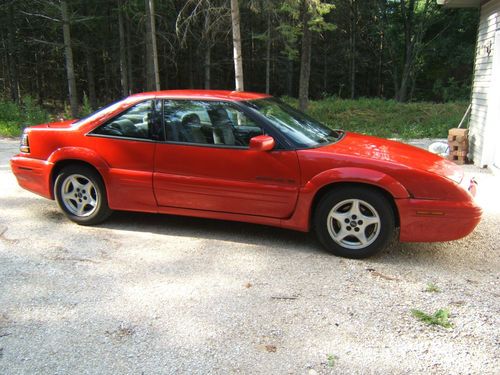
{"type": "Point", "coordinates": [203, 94]}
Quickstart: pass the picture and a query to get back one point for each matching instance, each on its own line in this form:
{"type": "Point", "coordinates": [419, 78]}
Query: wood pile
{"type": "Point", "coordinates": [458, 141]}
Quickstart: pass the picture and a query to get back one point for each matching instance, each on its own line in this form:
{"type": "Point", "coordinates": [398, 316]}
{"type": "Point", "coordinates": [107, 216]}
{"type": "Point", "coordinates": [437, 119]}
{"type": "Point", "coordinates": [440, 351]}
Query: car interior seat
{"type": "Point", "coordinates": [122, 127]}
{"type": "Point", "coordinates": [222, 126]}
{"type": "Point", "coordinates": [191, 129]}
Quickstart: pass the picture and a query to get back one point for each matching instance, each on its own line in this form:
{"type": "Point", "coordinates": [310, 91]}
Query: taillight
{"type": "Point", "coordinates": [25, 146]}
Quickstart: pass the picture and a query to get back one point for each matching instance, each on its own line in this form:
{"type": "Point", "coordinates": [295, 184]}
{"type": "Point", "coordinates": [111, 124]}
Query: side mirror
{"type": "Point", "coordinates": [262, 143]}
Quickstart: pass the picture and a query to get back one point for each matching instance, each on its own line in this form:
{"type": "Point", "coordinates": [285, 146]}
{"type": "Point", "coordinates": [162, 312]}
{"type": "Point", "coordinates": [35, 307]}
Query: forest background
{"type": "Point", "coordinates": [394, 68]}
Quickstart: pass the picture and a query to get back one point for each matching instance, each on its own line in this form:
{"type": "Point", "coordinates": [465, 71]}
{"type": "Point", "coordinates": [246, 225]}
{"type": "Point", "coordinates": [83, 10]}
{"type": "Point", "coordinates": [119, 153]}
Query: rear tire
{"type": "Point", "coordinates": [81, 195]}
{"type": "Point", "coordinates": [354, 222]}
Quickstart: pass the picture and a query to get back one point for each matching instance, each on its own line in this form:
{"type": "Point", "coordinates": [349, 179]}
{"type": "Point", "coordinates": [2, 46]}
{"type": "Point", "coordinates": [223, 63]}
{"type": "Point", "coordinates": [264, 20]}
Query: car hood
{"type": "Point", "coordinates": [383, 150]}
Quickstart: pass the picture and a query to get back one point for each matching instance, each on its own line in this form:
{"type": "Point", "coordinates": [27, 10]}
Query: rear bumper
{"type": "Point", "coordinates": [430, 220]}
{"type": "Point", "coordinates": [33, 175]}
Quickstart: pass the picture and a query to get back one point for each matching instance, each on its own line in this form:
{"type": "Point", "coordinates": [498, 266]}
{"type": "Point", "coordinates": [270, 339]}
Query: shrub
{"type": "Point", "coordinates": [9, 111]}
{"type": "Point", "coordinates": [86, 107]}
{"type": "Point", "coordinates": [14, 118]}
{"type": "Point", "coordinates": [33, 113]}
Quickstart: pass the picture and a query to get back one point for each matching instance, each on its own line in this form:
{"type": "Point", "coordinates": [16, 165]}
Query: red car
{"type": "Point", "coordinates": [245, 157]}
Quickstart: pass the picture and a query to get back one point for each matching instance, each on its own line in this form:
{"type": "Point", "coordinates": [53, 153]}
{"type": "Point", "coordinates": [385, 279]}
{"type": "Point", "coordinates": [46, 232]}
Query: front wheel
{"type": "Point", "coordinates": [81, 195]}
{"type": "Point", "coordinates": [354, 222]}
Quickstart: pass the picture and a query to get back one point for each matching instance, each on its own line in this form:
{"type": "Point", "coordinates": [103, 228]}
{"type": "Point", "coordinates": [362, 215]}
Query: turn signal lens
{"type": "Point", "coordinates": [25, 146]}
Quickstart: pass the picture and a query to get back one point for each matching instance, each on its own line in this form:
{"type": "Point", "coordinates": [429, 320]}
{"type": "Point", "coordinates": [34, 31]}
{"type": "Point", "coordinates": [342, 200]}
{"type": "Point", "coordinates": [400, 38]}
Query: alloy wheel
{"type": "Point", "coordinates": [79, 195]}
{"type": "Point", "coordinates": [353, 224]}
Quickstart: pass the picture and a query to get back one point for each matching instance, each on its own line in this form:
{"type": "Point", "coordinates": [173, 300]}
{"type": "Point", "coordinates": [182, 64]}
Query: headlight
{"type": "Point", "coordinates": [25, 146]}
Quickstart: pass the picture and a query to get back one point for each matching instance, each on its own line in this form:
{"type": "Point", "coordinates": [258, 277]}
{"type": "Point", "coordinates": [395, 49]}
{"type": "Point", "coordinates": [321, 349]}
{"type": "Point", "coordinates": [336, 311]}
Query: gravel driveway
{"type": "Point", "coordinates": [156, 294]}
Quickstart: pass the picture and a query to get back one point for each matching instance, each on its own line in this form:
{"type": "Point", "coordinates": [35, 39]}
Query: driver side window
{"type": "Point", "coordinates": [208, 123]}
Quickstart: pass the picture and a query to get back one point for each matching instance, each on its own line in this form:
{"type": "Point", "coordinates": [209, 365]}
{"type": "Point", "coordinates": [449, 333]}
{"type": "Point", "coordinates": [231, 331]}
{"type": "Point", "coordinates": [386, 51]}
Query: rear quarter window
{"type": "Point", "coordinates": [135, 122]}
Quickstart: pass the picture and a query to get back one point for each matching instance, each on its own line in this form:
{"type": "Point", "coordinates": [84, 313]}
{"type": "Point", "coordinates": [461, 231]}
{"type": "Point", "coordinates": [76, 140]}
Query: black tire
{"type": "Point", "coordinates": [366, 232]}
{"type": "Point", "coordinates": [81, 195]}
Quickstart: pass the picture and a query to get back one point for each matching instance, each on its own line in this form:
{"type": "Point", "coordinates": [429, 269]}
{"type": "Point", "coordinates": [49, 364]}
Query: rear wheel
{"type": "Point", "coordinates": [354, 222]}
{"type": "Point", "coordinates": [81, 195]}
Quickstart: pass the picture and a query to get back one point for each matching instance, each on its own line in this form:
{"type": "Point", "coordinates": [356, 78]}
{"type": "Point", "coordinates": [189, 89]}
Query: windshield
{"type": "Point", "coordinates": [301, 129]}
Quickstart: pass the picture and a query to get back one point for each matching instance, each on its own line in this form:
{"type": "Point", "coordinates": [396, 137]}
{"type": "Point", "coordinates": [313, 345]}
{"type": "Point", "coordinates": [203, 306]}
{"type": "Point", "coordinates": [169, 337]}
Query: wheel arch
{"type": "Point", "coordinates": [373, 179]}
{"type": "Point", "coordinates": [97, 192]}
{"type": "Point", "coordinates": [320, 193]}
{"type": "Point", "coordinates": [63, 163]}
{"type": "Point", "coordinates": [65, 156]}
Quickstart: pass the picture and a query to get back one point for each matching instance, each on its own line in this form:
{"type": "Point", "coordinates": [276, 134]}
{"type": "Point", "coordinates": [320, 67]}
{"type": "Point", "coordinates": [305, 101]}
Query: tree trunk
{"type": "Point", "coordinates": [407, 15]}
{"type": "Point", "coordinates": [412, 86]}
{"type": "Point", "coordinates": [380, 88]}
{"type": "Point", "coordinates": [268, 53]}
{"type": "Point", "coordinates": [91, 77]}
{"type": "Point", "coordinates": [352, 47]}
{"type": "Point", "coordinates": [207, 64]}
{"type": "Point", "coordinates": [305, 60]}
{"type": "Point", "coordinates": [413, 38]}
{"type": "Point", "coordinates": [123, 51]}
{"type": "Point", "coordinates": [68, 53]}
{"type": "Point", "coordinates": [395, 81]}
{"type": "Point", "coordinates": [89, 62]}
{"type": "Point", "coordinates": [208, 51]}
{"type": "Point", "coordinates": [39, 80]}
{"type": "Point", "coordinates": [4, 65]}
{"type": "Point", "coordinates": [129, 57]}
{"type": "Point", "coordinates": [325, 69]}
{"type": "Point", "coordinates": [154, 44]}
{"type": "Point", "coordinates": [238, 58]}
{"type": "Point", "coordinates": [405, 77]}
{"type": "Point", "coordinates": [152, 72]}
{"type": "Point", "coordinates": [289, 77]}
{"type": "Point", "coordinates": [15, 91]}
{"type": "Point", "coordinates": [106, 73]}
{"type": "Point", "coordinates": [190, 66]}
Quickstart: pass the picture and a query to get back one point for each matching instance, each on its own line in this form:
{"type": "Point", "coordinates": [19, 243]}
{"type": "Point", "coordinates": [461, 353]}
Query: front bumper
{"type": "Point", "coordinates": [33, 175]}
{"type": "Point", "coordinates": [430, 220]}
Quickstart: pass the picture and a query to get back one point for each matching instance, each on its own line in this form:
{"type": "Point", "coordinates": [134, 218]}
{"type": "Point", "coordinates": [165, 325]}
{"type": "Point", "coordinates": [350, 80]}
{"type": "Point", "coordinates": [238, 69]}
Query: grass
{"type": "Point", "coordinates": [331, 359]}
{"type": "Point", "coordinates": [379, 117]}
{"type": "Point", "coordinates": [388, 118]}
{"type": "Point", "coordinates": [432, 288]}
{"type": "Point", "coordinates": [440, 317]}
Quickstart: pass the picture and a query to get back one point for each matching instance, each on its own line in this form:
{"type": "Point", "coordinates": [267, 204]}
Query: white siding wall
{"type": "Point", "coordinates": [484, 95]}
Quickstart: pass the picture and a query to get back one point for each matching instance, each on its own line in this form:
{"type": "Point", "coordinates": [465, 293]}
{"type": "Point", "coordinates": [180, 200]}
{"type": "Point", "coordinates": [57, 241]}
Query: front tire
{"type": "Point", "coordinates": [354, 222]}
{"type": "Point", "coordinates": [81, 195]}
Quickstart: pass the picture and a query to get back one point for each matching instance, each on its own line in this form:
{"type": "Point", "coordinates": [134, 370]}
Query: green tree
{"type": "Point", "coordinates": [308, 17]}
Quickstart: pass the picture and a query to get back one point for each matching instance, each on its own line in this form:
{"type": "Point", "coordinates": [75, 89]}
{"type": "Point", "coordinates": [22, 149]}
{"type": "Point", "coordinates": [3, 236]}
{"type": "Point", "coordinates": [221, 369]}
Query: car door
{"type": "Point", "coordinates": [206, 163]}
{"type": "Point", "coordinates": [126, 142]}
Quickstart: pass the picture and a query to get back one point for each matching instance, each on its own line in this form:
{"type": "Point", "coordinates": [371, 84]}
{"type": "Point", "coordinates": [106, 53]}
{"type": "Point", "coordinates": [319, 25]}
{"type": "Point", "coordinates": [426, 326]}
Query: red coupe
{"type": "Point", "coordinates": [245, 157]}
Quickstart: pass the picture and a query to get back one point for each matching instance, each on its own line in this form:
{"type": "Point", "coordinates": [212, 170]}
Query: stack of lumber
{"type": "Point", "coordinates": [458, 141]}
